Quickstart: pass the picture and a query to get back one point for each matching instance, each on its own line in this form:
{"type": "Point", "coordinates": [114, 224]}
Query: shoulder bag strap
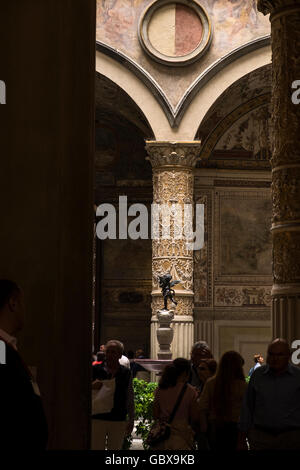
{"type": "Point", "coordinates": [177, 403]}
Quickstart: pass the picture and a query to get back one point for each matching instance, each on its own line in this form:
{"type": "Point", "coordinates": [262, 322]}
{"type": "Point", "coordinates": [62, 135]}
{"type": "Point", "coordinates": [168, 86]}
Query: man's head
{"type": "Point", "coordinates": [278, 355]}
{"type": "Point", "coordinates": [113, 352]}
{"type": "Point", "coordinates": [258, 358]}
{"type": "Point", "coordinates": [139, 353]}
{"type": "Point", "coordinates": [12, 307]}
{"type": "Point", "coordinates": [200, 351]}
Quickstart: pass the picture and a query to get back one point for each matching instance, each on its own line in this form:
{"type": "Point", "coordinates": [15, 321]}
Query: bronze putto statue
{"type": "Point", "coordinates": [166, 289]}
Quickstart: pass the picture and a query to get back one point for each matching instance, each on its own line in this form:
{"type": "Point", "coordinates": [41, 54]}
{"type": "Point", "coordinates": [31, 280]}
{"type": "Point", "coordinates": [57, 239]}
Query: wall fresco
{"type": "Point", "coordinates": [235, 22]}
{"type": "Point", "coordinates": [232, 296]}
{"type": "Point", "coordinates": [251, 133]}
{"type": "Point", "coordinates": [245, 236]}
{"type": "Point", "coordinates": [252, 85]}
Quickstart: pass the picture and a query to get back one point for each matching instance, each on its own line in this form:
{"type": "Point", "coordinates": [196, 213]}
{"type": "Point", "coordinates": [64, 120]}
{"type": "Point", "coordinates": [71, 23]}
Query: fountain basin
{"type": "Point", "coordinates": [154, 365]}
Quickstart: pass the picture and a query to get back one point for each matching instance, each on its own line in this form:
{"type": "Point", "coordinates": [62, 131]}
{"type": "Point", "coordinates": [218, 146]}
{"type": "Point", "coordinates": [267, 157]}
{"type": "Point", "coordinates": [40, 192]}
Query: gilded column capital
{"type": "Point", "coordinates": [173, 154]}
{"type": "Point", "coordinates": [274, 6]}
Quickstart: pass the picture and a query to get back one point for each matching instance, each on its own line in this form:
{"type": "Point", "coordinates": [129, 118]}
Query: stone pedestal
{"type": "Point", "coordinates": [164, 333]}
{"type": "Point", "coordinates": [183, 336]}
{"type": "Point", "coordinates": [285, 161]}
{"type": "Point", "coordinates": [173, 184]}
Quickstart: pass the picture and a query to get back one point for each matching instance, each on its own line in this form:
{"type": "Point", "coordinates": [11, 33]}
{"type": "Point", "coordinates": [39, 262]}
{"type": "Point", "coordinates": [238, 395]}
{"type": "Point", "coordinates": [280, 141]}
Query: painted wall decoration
{"type": "Point", "coordinates": [245, 236]}
{"type": "Point", "coordinates": [232, 296]}
{"type": "Point", "coordinates": [234, 18]}
{"type": "Point", "coordinates": [236, 131]}
{"type": "Point", "coordinates": [252, 118]}
{"type": "Point", "coordinates": [251, 133]}
{"type": "Point", "coordinates": [242, 237]}
{"type": "Point", "coordinates": [175, 30]}
{"type": "Point", "coordinates": [235, 22]}
{"type": "Point", "coordinates": [175, 33]}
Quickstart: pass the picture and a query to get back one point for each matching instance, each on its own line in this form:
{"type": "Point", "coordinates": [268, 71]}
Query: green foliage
{"type": "Point", "coordinates": [144, 396]}
{"type": "Point", "coordinates": [143, 401]}
{"type": "Point", "coordinates": [247, 378]}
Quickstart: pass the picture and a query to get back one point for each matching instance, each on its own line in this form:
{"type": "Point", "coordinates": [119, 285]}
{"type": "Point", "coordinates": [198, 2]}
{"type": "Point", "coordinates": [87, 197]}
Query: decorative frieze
{"type": "Point", "coordinates": [229, 314]}
{"type": "Point", "coordinates": [241, 183]}
{"type": "Point", "coordinates": [244, 296]}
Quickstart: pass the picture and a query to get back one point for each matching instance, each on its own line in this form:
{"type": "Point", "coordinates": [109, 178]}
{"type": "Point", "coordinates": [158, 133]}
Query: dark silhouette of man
{"type": "Point", "coordinates": [270, 415]}
{"type": "Point", "coordinates": [23, 424]}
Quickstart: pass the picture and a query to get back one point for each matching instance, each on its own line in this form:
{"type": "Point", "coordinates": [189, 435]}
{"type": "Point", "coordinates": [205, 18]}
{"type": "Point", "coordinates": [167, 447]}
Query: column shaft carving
{"type": "Point", "coordinates": [173, 185]}
{"type": "Point", "coordinates": [285, 161]}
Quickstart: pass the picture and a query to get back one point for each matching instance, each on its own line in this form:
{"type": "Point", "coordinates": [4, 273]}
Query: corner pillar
{"type": "Point", "coordinates": [285, 161]}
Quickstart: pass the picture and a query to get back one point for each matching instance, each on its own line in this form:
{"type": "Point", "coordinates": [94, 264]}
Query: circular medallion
{"type": "Point", "coordinates": [175, 32]}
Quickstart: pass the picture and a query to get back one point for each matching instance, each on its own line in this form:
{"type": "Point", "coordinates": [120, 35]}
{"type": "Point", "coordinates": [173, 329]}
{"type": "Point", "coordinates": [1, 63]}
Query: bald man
{"type": "Point", "coordinates": [270, 416]}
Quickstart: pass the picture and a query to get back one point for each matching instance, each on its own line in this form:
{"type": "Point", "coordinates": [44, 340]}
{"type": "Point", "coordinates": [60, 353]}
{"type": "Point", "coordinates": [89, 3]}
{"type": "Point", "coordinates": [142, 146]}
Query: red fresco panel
{"type": "Point", "coordinates": [188, 30]}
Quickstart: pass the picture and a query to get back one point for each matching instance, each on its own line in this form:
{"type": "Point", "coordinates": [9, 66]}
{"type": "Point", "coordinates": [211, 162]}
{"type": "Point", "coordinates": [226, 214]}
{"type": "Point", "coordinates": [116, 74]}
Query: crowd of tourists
{"type": "Point", "coordinates": [198, 403]}
{"type": "Point", "coordinates": [201, 405]}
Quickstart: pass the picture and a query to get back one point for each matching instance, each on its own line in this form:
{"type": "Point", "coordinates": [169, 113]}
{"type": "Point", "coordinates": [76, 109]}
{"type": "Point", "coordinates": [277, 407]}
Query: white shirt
{"type": "Point", "coordinates": [9, 339]}
{"type": "Point", "coordinates": [124, 361]}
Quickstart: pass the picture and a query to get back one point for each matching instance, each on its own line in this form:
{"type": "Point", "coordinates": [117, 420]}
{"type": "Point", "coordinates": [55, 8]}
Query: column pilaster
{"type": "Point", "coordinates": [285, 161]}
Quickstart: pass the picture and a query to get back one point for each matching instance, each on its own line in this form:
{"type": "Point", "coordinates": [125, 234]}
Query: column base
{"type": "Point", "coordinates": [286, 317]}
{"type": "Point", "coordinates": [183, 340]}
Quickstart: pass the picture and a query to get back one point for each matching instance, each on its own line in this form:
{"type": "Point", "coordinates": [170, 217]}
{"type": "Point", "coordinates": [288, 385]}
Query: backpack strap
{"type": "Point", "coordinates": [178, 401]}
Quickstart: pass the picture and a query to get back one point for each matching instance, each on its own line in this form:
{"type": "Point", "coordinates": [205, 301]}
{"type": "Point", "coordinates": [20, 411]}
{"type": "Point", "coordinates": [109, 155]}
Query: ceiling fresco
{"type": "Point", "coordinates": [238, 125]}
{"type": "Point", "coordinates": [235, 23]}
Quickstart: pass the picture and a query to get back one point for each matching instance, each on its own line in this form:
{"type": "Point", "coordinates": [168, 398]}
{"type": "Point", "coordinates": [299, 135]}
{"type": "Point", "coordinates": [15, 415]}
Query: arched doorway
{"type": "Point", "coordinates": [123, 266]}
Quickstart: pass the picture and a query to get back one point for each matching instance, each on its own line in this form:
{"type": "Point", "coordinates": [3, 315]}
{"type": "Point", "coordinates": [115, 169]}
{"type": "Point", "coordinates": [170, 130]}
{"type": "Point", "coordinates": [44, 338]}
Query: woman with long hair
{"type": "Point", "coordinates": [171, 384]}
{"type": "Point", "coordinates": [221, 400]}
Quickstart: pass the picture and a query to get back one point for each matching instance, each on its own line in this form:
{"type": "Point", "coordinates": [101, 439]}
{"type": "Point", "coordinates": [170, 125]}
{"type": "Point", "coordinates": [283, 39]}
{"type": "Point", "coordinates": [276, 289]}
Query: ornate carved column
{"type": "Point", "coordinates": [173, 183]}
{"type": "Point", "coordinates": [285, 161]}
